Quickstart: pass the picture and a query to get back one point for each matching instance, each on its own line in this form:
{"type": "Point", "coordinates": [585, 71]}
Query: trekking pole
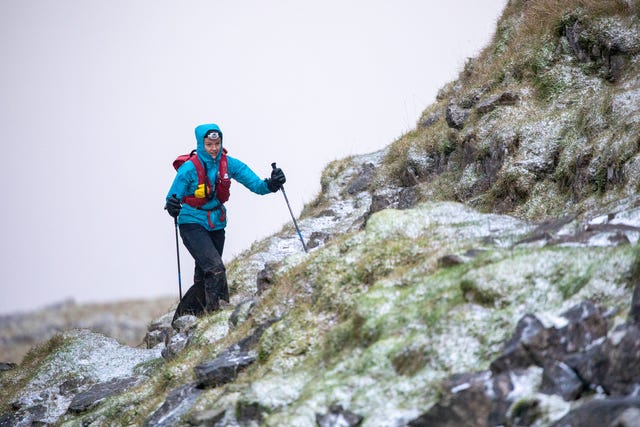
{"type": "Point", "coordinates": [286, 199]}
{"type": "Point", "coordinates": [175, 222]}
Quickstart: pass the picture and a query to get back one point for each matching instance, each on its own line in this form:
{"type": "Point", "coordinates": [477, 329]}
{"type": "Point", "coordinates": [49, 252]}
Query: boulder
{"type": "Point", "coordinates": [407, 198]}
{"type": "Point", "coordinates": [318, 238]}
{"type": "Point", "coordinates": [492, 102]}
{"type": "Point", "coordinates": [558, 378]}
{"type": "Point", "coordinates": [185, 324]}
{"type": "Point", "coordinates": [362, 181]}
{"type": "Point", "coordinates": [456, 116]}
{"type": "Point", "coordinates": [153, 338]}
{"type": "Point", "coordinates": [242, 312]}
{"type": "Point", "coordinates": [25, 417]}
{"type": "Point", "coordinates": [534, 344]}
{"type": "Point", "coordinates": [175, 346]}
{"type": "Point", "coordinates": [160, 331]}
{"type": "Point", "coordinates": [265, 277]}
{"type": "Point", "coordinates": [223, 369]}
{"type": "Point", "coordinates": [586, 324]}
{"type": "Point", "coordinates": [429, 120]}
{"type": "Point", "coordinates": [177, 403]}
{"type": "Point", "coordinates": [599, 413]}
{"type": "Point", "coordinates": [470, 399]}
{"type": "Point", "coordinates": [7, 366]}
{"type": "Point", "coordinates": [86, 400]}
{"type": "Point", "coordinates": [622, 350]}
{"type": "Point", "coordinates": [529, 340]}
{"type": "Point", "coordinates": [338, 416]}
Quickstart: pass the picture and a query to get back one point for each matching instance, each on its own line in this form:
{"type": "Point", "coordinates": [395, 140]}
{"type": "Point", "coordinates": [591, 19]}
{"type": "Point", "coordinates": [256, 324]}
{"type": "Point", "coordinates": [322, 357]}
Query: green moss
{"type": "Point", "coordinates": [548, 85]}
{"type": "Point", "coordinates": [343, 337]}
{"type": "Point", "coordinates": [572, 284]}
{"type": "Point", "coordinates": [149, 367]}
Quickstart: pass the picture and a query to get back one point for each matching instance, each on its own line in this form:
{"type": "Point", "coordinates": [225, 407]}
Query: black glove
{"type": "Point", "coordinates": [173, 206]}
{"type": "Point", "coordinates": [276, 181]}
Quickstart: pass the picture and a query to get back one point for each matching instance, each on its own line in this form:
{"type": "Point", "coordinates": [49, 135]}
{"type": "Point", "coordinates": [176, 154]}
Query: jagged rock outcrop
{"type": "Point", "coordinates": [574, 358]}
{"type": "Point", "coordinates": [89, 398]}
{"type": "Point", "coordinates": [176, 405]}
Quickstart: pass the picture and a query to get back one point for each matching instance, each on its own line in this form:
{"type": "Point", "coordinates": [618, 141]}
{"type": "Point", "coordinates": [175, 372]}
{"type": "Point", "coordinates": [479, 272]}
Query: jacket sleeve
{"type": "Point", "coordinates": [183, 183]}
{"type": "Point", "coordinates": [245, 176]}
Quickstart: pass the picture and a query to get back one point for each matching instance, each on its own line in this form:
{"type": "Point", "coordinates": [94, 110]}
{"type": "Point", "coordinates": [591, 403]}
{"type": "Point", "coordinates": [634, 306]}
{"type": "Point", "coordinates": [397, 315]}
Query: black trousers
{"type": "Point", "coordinates": [209, 278]}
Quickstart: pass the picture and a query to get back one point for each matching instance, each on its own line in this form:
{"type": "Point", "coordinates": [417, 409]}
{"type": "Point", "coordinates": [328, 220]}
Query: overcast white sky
{"type": "Point", "coordinates": [99, 96]}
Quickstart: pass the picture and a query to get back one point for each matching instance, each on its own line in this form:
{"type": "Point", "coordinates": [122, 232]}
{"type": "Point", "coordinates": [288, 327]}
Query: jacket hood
{"type": "Point", "coordinates": [201, 131]}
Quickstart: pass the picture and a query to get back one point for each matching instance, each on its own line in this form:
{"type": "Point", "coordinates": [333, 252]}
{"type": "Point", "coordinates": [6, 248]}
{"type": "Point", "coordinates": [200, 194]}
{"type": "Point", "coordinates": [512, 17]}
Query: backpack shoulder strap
{"type": "Point", "coordinates": [202, 173]}
{"type": "Point", "coordinates": [223, 168]}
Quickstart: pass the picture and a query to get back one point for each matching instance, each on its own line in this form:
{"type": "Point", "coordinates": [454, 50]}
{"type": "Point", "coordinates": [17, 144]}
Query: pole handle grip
{"type": "Point", "coordinates": [273, 165]}
{"type": "Point", "coordinates": [175, 219]}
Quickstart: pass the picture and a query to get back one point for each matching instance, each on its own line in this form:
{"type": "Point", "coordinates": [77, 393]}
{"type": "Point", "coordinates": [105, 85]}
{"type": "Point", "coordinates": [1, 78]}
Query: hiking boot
{"type": "Point", "coordinates": [213, 304]}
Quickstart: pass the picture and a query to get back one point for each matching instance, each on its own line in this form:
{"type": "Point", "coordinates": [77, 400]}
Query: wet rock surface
{"type": "Point", "coordinates": [223, 369]}
{"type": "Point", "coordinates": [580, 358]}
{"type": "Point", "coordinates": [95, 394]}
{"type": "Point", "coordinates": [178, 402]}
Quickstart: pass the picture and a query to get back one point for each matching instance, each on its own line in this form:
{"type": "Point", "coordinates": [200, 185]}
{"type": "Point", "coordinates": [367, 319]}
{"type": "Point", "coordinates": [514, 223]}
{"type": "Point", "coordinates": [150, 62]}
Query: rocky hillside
{"type": "Point", "coordinates": [482, 270]}
{"type": "Point", "coordinates": [126, 321]}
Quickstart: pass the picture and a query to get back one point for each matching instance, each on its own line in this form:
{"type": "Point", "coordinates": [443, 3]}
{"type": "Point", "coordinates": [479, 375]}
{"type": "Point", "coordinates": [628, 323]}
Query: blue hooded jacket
{"type": "Point", "coordinates": [186, 182]}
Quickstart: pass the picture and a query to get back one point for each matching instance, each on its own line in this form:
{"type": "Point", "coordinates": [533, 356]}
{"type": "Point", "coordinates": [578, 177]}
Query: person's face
{"type": "Point", "coordinates": [212, 145]}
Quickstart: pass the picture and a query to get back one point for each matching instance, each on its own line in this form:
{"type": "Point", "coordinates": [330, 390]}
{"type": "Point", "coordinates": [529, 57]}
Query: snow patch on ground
{"type": "Point", "coordinates": [88, 356]}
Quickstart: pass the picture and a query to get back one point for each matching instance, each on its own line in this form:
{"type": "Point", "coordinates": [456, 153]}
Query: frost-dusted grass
{"type": "Point", "coordinates": [374, 314]}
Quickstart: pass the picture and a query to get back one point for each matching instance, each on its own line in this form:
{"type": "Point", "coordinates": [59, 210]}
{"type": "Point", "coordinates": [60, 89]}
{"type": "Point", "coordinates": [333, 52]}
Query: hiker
{"type": "Point", "coordinates": [196, 199]}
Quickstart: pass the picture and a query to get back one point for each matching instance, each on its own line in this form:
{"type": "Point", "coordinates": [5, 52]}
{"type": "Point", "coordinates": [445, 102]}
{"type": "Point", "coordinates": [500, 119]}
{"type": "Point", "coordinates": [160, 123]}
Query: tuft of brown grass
{"type": "Point", "coordinates": [526, 25]}
{"type": "Point", "coordinates": [541, 16]}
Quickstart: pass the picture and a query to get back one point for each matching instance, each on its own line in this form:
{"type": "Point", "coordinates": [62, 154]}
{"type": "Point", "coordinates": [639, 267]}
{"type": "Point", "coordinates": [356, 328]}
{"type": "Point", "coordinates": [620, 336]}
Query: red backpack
{"type": "Point", "coordinates": [204, 191]}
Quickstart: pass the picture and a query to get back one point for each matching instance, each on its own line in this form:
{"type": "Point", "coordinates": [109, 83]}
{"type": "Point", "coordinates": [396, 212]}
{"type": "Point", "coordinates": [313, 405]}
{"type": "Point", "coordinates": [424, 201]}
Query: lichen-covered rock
{"type": "Point", "coordinates": [86, 400]}
{"type": "Point", "coordinates": [558, 378]}
{"type": "Point", "coordinates": [492, 102]}
{"type": "Point", "coordinates": [479, 399]}
{"type": "Point", "coordinates": [456, 116]}
{"type": "Point", "coordinates": [177, 403]}
{"type": "Point", "coordinates": [90, 358]}
{"type": "Point", "coordinates": [338, 416]}
{"type": "Point", "coordinates": [242, 311]}
{"type": "Point", "coordinates": [223, 369]}
{"type": "Point", "coordinates": [598, 413]}
{"type": "Point", "coordinates": [176, 344]}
